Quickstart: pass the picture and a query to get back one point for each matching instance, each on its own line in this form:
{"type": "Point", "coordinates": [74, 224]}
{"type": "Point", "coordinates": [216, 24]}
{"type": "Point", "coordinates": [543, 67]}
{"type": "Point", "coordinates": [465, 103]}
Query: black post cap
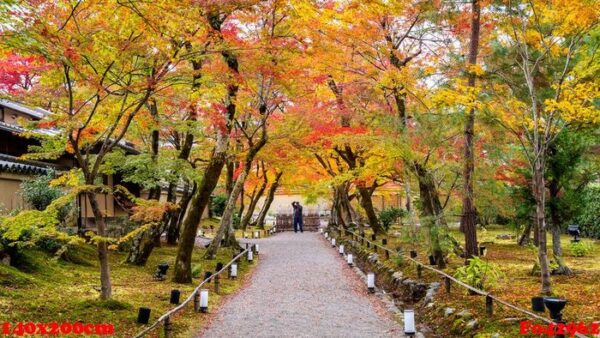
{"type": "Point", "coordinates": [207, 275]}
{"type": "Point", "coordinates": [219, 266]}
{"type": "Point", "coordinates": [175, 296]}
{"type": "Point", "coordinates": [143, 315]}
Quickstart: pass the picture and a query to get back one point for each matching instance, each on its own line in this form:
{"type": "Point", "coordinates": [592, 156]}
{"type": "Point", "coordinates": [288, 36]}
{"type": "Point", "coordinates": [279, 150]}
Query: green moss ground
{"type": "Point", "coordinates": [517, 286]}
{"type": "Point", "coordinates": [54, 290]}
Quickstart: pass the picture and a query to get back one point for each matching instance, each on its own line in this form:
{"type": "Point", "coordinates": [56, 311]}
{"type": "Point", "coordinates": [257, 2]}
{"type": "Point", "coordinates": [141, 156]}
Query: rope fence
{"type": "Point", "coordinates": [165, 319]}
{"type": "Point", "coordinates": [448, 279]}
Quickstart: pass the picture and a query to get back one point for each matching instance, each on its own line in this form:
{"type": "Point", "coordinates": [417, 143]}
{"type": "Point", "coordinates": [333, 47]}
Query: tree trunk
{"type": "Point", "coordinates": [226, 224]}
{"type": "Point", "coordinates": [179, 214]}
{"type": "Point", "coordinates": [347, 214]}
{"type": "Point", "coordinates": [540, 221]}
{"type": "Point", "coordinates": [410, 209]}
{"type": "Point", "coordinates": [183, 263]}
{"type": "Point", "coordinates": [144, 243]}
{"type": "Point", "coordinates": [210, 178]}
{"type": "Point", "coordinates": [105, 285]}
{"type": "Point", "coordinates": [468, 218]}
{"type": "Point", "coordinates": [524, 239]}
{"type": "Point", "coordinates": [562, 269]}
{"type": "Point", "coordinates": [229, 178]}
{"type": "Point", "coordinates": [260, 221]}
{"type": "Point", "coordinates": [367, 204]}
{"type": "Point", "coordinates": [431, 208]}
{"type": "Point", "coordinates": [252, 206]}
{"type": "Point", "coordinates": [242, 205]}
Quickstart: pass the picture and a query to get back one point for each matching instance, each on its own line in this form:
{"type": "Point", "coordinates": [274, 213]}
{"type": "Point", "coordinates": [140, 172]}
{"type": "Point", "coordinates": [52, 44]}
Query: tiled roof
{"type": "Point", "coordinates": [37, 113]}
{"type": "Point", "coordinates": [10, 127]}
{"type": "Point", "coordinates": [11, 164]}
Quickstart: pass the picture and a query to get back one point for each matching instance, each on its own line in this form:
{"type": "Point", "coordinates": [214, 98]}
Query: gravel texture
{"type": "Point", "coordinates": [302, 288]}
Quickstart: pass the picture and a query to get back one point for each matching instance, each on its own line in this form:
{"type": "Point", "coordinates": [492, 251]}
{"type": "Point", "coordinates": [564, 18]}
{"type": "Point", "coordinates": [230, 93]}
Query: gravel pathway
{"type": "Point", "coordinates": [302, 288]}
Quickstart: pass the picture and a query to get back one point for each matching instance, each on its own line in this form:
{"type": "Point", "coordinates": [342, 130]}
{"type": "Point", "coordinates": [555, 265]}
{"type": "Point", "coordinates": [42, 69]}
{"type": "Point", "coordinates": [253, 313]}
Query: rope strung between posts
{"type": "Point", "coordinates": [179, 307]}
{"type": "Point", "coordinates": [466, 286]}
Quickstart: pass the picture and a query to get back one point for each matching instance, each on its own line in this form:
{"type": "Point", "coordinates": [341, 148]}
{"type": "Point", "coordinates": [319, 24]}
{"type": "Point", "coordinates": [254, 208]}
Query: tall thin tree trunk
{"type": "Point", "coordinates": [431, 209]}
{"type": "Point", "coordinates": [562, 269]}
{"type": "Point", "coordinates": [253, 202]}
{"type": "Point", "coordinates": [260, 221]}
{"type": "Point", "coordinates": [225, 227]}
{"type": "Point", "coordinates": [226, 221]}
{"type": "Point", "coordinates": [540, 219]}
{"type": "Point", "coordinates": [468, 217]}
{"type": "Point", "coordinates": [410, 209]}
{"type": "Point", "coordinates": [105, 284]}
{"type": "Point", "coordinates": [524, 239]}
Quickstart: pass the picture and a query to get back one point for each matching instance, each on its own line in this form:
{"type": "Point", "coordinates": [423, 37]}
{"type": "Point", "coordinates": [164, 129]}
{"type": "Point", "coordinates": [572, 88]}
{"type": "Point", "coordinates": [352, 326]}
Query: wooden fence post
{"type": "Point", "coordinates": [448, 284]}
{"type": "Point", "coordinates": [419, 270]}
{"type": "Point", "coordinates": [217, 278]}
{"type": "Point", "coordinates": [168, 327]}
{"type": "Point", "coordinates": [197, 301]}
{"type": "Point", "coordinates": [489, 305]}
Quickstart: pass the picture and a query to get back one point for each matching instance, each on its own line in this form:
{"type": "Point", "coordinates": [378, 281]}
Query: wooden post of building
{"type": "Point", "coordinates": [168, 327]}
{"type": "Point", "coordinates": [448, 284]}
{"type": "Point", "coordinates": [489, 305]}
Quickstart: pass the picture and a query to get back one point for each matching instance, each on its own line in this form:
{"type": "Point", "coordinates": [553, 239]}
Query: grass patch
{"type": "Point", "coordinates": [64, 291]}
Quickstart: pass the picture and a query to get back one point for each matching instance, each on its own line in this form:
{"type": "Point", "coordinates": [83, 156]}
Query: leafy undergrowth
{"type": "Point", "coordinates": [58, 291]}
{"type": "Point", "coordinates": [517, 286]}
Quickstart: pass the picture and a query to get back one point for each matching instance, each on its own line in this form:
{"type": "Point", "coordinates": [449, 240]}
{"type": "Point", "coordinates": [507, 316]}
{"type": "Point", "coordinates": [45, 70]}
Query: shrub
{"type": "Point", "coordinates": [37, 191]}
{"type": "Point", "coordinates": [581, 248]}
{"type": "Point", "coordinates": [196, 270]}
{"type": "Point", "coordinates": [589, 217]}
{"type": "Point", "coordinates": [479, 273]}
{"type": "Point", "coordinates": [218, 204]}
{"type": "Point", "coordinates": [388, 216]}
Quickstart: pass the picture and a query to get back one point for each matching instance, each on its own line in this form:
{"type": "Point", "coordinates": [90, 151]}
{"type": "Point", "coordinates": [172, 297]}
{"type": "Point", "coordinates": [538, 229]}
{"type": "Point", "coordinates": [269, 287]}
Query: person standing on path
{"type": "Point", "coordinates": [297, 217]}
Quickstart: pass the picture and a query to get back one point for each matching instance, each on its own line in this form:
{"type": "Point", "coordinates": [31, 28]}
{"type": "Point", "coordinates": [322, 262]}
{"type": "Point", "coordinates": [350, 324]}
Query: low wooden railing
{"type": "Point", "coordinates": [165, 319]}
{"type": "Point", "coordinates": [448, 280]}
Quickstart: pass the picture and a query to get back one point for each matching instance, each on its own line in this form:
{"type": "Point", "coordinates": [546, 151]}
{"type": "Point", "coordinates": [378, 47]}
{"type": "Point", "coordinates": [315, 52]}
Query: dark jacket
{"type": "Point", "coordinates": [298, 211]}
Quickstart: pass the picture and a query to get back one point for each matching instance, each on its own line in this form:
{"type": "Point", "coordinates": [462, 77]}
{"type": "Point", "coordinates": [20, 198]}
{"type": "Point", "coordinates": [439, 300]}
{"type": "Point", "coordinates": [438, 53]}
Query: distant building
{"type": "Point", "coordinates": [14, 170]}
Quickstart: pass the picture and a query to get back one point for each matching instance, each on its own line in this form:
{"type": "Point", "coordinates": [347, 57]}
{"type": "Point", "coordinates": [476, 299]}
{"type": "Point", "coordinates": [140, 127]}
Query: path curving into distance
{"type": "Point", "coordinates": [302, 288]}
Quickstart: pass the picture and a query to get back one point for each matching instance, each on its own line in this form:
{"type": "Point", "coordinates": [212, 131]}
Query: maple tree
{"type": "Point", "coordinates": [549, 88]}
{"type": "Point", "coordinates": [100, 72]}
{"type": "Point", "coordinates": [329, 98]}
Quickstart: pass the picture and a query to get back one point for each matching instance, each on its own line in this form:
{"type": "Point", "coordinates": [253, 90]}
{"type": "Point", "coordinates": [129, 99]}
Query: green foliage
{"type": "Point", "coordinates": [479, 273]}
{"type": "Point", "coordinates": [38, 193]}
{"type": "Point", "coordinates": [398, 260]}
{"type": "Point", "coordinates": [31, 228]}
{"type": "Point", "coordinates": [218, 204]}
{"type": "Point", "coordinates": [589, 217]}
{"type": "Point", "coordinates": [388, 216]}
{"type": "Point", "coordinates": [581, 248]}
{"type": "Point", "coordinates": [196, 270]}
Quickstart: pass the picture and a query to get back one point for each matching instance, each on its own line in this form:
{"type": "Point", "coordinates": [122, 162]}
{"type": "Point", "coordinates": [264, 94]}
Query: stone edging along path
{"type": "Point", "coordinates": [302, 288]}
